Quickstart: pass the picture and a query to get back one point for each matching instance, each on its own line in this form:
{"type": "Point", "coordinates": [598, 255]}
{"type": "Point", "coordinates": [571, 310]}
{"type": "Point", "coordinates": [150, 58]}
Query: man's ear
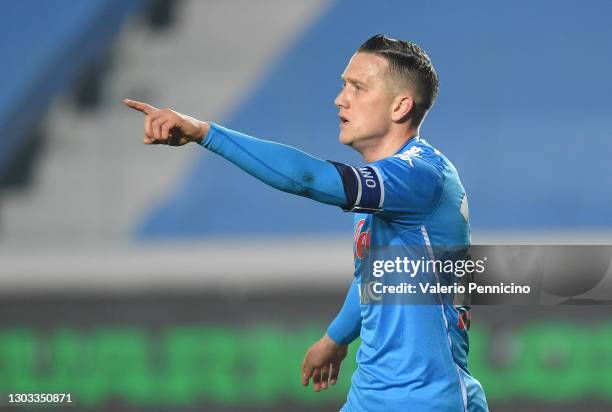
{"type": "Point", "coordinates": [403, 104]}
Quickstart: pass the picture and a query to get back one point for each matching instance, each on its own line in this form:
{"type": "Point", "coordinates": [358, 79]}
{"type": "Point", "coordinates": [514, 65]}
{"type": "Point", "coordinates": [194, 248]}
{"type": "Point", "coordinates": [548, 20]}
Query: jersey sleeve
{"type": "Point", "coordinates": [392, 186]}
{"type": "Point", "coordinates": [345, 328]}
{"type": "Point", "coordinates": [280, 166]}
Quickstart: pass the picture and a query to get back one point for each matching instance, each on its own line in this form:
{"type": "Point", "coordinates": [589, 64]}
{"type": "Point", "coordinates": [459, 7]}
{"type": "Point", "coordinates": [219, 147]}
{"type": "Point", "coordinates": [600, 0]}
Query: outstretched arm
{"type": "Point", "coordinates": [280, 166]}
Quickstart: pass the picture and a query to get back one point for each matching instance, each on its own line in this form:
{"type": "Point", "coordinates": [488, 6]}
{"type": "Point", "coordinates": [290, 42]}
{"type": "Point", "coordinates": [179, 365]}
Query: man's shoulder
{"type": "Point", "coordinates": [418, 158]}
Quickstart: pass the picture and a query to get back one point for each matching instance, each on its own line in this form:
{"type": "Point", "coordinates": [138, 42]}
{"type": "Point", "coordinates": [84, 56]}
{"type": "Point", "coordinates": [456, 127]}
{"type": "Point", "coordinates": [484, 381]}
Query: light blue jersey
{"type": "Point", "coordinates": [412, 357]}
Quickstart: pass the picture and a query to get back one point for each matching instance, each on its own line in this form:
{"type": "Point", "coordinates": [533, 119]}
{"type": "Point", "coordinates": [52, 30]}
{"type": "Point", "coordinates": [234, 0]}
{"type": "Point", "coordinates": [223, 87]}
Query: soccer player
{"type": "Point", "coordinates": [412, 357]}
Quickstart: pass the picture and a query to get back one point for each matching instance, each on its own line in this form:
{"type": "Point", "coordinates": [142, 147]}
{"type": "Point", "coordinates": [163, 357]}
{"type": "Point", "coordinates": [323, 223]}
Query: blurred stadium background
{"type": "Point", "coordinates": [153, 278]}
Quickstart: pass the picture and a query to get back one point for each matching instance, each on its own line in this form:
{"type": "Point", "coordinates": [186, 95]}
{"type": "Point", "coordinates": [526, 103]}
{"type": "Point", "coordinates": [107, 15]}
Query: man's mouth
{"type": "Point", "coordinates": [343, 120]}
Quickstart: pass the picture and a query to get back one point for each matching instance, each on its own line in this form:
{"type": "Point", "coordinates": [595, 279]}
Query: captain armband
{"type": "Point", "coordinates": [363, 186]}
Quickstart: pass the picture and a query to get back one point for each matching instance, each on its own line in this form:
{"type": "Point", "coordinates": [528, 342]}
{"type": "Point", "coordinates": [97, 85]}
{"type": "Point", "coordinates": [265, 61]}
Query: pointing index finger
{"type": "Point", "coordinates": [140, 106]}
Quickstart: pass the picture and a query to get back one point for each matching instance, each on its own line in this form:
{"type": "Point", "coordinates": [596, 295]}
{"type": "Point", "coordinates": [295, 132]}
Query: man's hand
{"type": "Point", "coordinates": [165, 126]}
{"type": "Point", "coordinates": [322, 363]}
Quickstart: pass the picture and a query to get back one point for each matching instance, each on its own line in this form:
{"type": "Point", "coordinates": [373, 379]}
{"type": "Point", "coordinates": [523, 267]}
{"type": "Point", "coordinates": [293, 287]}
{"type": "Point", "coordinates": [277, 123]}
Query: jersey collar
{"type": "Point", "coordinates": [411, 142]}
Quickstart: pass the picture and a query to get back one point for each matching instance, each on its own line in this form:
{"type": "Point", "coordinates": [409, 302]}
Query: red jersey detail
{"type": "Point", "coordinates": [362, 240]}
{"type": "Point", "coordinates": [464, 320]}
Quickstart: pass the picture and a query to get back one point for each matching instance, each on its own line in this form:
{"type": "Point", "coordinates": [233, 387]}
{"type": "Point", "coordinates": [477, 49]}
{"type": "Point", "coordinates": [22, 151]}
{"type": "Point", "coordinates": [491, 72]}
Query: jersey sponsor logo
{"type": "Point", "coordinates": [367, 294]}
{"type": "Point", "coordinates": [362, 240]}
{"type": "Point", "coordinates": [409, 154]}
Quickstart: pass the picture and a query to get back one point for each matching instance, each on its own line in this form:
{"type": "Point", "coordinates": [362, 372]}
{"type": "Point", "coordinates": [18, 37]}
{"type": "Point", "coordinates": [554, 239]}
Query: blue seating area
{"type": "Point", "coordinates": [45, 46]}
{"type": "Point", "coordinates": [523, 112]}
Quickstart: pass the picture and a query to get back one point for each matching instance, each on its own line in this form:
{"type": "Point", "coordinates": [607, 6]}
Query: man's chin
{"type": "Point", "coordinates": [344, 139]}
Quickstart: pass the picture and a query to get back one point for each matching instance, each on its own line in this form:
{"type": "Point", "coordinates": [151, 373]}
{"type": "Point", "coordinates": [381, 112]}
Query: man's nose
{"type": "Point", "coordinates": [341, 100]}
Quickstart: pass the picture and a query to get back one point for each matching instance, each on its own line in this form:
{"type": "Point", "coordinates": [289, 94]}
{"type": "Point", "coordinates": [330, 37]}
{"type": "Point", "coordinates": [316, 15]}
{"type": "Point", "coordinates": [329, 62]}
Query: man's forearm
{"type": "Point", "coordinates": [280, 166]}
{"type": "Point", "coordinates": [346, 327]}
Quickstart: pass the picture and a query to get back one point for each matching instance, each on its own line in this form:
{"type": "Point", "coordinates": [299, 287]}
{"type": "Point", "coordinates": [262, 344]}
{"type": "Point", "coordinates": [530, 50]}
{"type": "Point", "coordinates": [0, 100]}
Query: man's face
{"type": "Point", "coordinates": [364, 102]}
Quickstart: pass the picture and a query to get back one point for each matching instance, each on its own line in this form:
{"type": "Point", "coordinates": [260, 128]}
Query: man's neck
{"type": "Point", "coordinates": [386, 146]}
